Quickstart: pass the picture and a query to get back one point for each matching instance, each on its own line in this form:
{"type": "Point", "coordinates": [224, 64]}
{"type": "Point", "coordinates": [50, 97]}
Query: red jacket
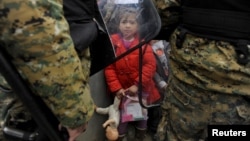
{"type": "Point", "coordinates": [125, 72]}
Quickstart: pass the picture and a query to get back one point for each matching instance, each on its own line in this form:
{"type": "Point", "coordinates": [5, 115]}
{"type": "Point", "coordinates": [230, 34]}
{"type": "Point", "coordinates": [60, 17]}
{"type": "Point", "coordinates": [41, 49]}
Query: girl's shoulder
{"type": "Point", "coordinates": [116, 36]}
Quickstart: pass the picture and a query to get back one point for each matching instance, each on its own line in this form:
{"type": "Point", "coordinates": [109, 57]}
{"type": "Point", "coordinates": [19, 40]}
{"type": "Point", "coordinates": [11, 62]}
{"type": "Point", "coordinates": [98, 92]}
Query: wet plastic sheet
{"type": "Point", "coordinates": [104, 51]}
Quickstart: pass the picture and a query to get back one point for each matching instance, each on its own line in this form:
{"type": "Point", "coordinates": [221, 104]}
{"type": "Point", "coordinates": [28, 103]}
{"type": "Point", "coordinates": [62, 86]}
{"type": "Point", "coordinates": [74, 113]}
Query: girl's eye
{"type": "Point", "coordinates": [124, 22]}
{"type": "Point", "coordinates": [127, 21]}
{"type": "Point", "coordinates": [132, 22]}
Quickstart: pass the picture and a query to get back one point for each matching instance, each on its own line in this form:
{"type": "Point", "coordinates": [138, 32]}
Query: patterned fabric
{"type": "Point", "coordinates": [206, 85]}
{"type": "Point", "coordinates": [36, 35]}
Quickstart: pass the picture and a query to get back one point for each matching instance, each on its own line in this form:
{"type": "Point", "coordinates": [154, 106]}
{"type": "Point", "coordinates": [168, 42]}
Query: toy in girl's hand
{"type": "Point", "coordinates": [113, 121]}
{"type": "Point", "coordinates": [131, 109]}
{"type": "Point", "coordinates": [111, 133]}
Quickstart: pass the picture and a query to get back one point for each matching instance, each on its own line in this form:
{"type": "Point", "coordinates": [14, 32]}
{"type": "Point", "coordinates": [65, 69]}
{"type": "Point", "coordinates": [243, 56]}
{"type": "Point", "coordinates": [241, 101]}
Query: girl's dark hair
{"type": "Point", "coordinates": [125, 12]}
{"type": "Point", "coordinates": [119, 12]}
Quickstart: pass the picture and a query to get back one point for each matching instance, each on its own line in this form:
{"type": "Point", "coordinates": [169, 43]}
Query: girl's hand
{"type": "Point", "coordinates": [120, 93]}
{"type": "Point", "coordinates": [132, 90]}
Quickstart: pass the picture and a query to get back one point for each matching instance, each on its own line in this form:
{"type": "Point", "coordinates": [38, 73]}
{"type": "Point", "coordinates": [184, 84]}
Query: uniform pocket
{"type": "Point", "coordinates": [181, 96]}
{"type": "Point", "coordinates": [243, 112]}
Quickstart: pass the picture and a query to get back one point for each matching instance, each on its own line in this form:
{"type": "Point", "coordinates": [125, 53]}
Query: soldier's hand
{"type": "Point", "coordinates": [74, 133]}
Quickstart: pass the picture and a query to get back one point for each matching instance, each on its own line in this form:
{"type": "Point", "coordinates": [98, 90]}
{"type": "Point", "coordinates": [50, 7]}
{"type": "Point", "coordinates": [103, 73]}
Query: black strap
{"type": "Point", "coordinates": [228, 24]}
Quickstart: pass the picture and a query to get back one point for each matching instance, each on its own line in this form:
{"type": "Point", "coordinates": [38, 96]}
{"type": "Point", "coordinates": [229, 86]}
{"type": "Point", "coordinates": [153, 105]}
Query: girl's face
{"type": "Point", "coordinates": [128, 26]}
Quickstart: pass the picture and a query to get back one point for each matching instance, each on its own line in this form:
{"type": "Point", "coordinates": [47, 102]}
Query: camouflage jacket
{"type": "Point", "coordinates": [36, 35]}
{"type": "Point", "coordinates": [202, 62]}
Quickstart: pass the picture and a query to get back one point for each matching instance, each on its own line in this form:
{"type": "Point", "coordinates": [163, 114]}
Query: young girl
{"type": "Point", "coordinates": [123, 75]}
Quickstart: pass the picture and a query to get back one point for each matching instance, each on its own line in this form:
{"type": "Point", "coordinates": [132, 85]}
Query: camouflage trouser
{"type": "Point", "coordinates": [186, 115]}
{"type": "Point", "coordinates": [36, 35]}
{"type": "Point", "coordinates": [206, 86]}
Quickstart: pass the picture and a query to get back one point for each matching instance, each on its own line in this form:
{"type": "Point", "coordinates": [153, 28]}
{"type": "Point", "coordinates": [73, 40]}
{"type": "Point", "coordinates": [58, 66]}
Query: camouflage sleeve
{"type": "Point", "coordinates": [36, 35]}
{"type": "Point", "coordinates": [168, 11]}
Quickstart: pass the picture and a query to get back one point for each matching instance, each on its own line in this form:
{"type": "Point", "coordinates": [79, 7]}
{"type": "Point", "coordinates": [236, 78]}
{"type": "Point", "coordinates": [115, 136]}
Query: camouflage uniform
{"type": "Point", "coordinates": [36, 34]}
{"type": "Point", "coordinates": [206, 85]}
